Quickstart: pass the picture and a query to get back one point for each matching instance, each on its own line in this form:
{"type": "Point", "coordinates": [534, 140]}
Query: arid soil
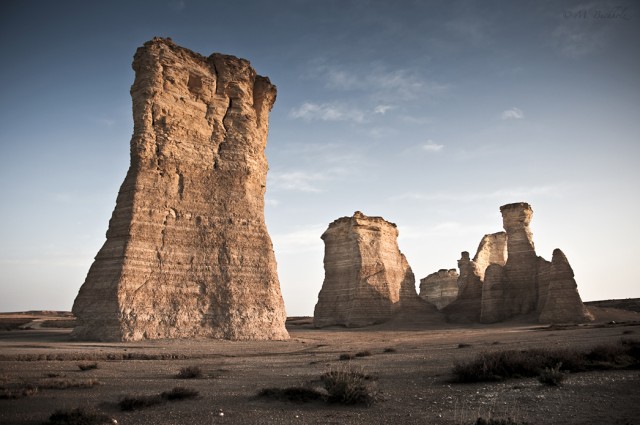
{"type": "Point", "coordinates": [411, 363]}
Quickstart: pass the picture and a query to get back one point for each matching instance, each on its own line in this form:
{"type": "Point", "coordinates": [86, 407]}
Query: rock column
{"type": "Point", "coordinates": [187, 251]}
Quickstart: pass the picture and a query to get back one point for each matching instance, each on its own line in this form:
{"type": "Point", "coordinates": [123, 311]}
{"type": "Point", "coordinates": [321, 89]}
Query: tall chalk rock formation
{"type": "Point", "coordinates": [367, 278]}
{"type": "Point", "coordinates": [187, 251]}
{"type": "Point", "coordinates": [440, 288]}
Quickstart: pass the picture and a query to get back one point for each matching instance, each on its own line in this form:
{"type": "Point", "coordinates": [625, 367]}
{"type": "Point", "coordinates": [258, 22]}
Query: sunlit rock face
{"type": "Point", "coordinates": [367, 278]}
{"type": "Point", "coordinates": [187, 251]}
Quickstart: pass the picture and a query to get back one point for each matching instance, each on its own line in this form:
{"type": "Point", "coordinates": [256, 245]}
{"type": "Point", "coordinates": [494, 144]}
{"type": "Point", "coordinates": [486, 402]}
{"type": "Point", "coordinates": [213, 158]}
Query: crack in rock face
{"type": "Point", "coordinates": [187, 253]}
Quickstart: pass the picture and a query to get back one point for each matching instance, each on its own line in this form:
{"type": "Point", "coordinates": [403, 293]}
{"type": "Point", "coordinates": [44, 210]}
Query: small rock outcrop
{"type": "Point", "coordinates": [559, 292]}
{"type": "Point", "coordinates": [440, 288]}
{"type": "Point", "coordinates": [367, 278]}
{"type": "Point", "coordinates": [187, 251]}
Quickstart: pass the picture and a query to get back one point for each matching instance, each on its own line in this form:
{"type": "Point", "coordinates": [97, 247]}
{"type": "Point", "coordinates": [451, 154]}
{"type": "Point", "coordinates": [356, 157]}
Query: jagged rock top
{"type": "Point", "coordinates": [360, 219]}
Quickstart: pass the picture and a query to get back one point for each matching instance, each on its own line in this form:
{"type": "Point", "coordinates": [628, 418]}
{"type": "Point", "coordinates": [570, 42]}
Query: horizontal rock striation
{"type": "Point", "coordinates": [440, 288]}
{"type": "Point", "coordinates": [187, 251]}
{"type": "Point", "coordinates": [367, 278]}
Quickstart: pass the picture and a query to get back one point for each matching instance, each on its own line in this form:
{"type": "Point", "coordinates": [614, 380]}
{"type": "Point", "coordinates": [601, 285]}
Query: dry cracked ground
{"type": "Point", "coordinates": [409, 369]}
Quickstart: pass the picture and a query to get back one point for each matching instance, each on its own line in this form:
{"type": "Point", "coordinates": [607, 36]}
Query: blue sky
{"type": "Point", "coordinates": [431, 114]}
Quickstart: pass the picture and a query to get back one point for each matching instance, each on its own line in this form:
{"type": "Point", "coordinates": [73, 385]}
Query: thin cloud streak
{"type": "Point", "coordinates": [510, 193]}
{"type": "Point", "coordinates": [512, 114]}
{"type": "Point", "coordinates": [310, 111]}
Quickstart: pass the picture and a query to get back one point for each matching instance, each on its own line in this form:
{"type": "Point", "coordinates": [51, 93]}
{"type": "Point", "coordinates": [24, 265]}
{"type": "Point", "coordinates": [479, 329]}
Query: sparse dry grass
{"type": "Point", "coordinates": [87, 366]}
{"type": "Point", "coordinates": [78, 416]}
{"type": "Point", "coordinates": [499, 365]}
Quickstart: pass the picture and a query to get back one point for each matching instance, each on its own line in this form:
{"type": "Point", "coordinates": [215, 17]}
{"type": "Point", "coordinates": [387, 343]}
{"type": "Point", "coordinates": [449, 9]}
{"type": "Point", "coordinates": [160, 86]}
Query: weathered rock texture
{"type": "Point", "coordinates": [440, 288]}
{"type": "Point", "coordinates": [528, 284]}
{"type": "Point", "coordinates": [559, 292]}
{"type": "Point", "coordinates": [367, 278]}
{"type": "Point", "coordinates": [467, 306]}
{"type": "Point", "coordinates": [187, 251]}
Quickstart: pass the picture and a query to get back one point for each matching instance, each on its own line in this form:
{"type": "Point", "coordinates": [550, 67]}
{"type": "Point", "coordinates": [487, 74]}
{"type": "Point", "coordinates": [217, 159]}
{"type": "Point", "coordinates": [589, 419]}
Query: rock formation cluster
{"type": "Point", "coordinates": [187, 251]}
{"type": "Point", "coordinates": [506, 278]}
{"type": "Point", "coordinates": [367, 278]}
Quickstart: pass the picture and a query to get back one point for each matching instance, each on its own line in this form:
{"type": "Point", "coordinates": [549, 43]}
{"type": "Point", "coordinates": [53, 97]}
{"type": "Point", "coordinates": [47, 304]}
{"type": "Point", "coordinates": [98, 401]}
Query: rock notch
{"type": "Point", "coordinates": [187, 251]}
{"type": "Point", "coordinates": [367, 278]}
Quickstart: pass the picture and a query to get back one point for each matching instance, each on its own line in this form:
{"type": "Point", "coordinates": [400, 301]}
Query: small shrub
{"type": "Point", "coordinates": [364, 353]}
{"type": "Point", "coordinates": [189, 372]}
{"type": "Point", "coordinates": [137, 402]}
{"type": "Point", "coordinates": [346, 356]}
{"type": "Point", "coordinates": [18, 392]}
{"type": "Point", "coordinates": [552, 376]}
{"type": "Point", "coordinates": [627, 332]}
{"type": "Point", "coordinates": [390, 350]}
{"type": "Point", "coordinates": [463, 345]}
{"type": "Point", "coordinates": [347, 387]}
{"type": "Point", "coordinates": [78, 416]}
{"type": "Point", "coordinates": [87, 366]}
{"type": "Point", "coordinates": [63, 384]}
{"type": "Point", "coordinates": [179, 393]}
{"type": "Point", "coordinates": [294, 394]}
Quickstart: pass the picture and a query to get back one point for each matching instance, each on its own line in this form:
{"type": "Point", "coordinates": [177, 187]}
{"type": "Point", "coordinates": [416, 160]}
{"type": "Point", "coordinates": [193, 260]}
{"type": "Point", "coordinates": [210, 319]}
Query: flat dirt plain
{"type": "Point", "coordinates": [411, 364]}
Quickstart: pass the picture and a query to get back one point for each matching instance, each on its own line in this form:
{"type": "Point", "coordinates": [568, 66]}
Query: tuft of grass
{"type": "Point", "coordinates": [348, 387]}
{"type": "Point", "coordinates": [293, 394]}
{"type": "Point", "coordinates": [346, 356]}
{"type": "Point", "coordinates": [136, 402]}
{"type": "Point", "coordinates": [627, 332]}
{"type": "Point", "coordinates": [21, 391]}
{"type": "Point", "coordinates": [87, 366]}
{"type": "Point", "coordinates": [552, 376]}
{"type": "Point", "coordinates": [64, 383]}
{"type": "Point", "coordinates": [464, 345]}
{"type": "Point", "coordinates": [365, 353]}
{"type": "Point", "coordinates": [78, 416]}
{"type": "Point", "coordinates": [390, 350]}
{"type": "Point", "coordinates": [189, 372]}
{"type": "Point", "coordinates": [499, 365]}
{"type": "Point", "coordinates": [179, 393]}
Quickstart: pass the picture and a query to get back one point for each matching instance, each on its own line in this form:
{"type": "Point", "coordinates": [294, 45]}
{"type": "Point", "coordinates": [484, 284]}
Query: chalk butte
{"type": "Point", "coordinates": [187, 251]}
{"type": "Point", "coordinates": [367, 278]}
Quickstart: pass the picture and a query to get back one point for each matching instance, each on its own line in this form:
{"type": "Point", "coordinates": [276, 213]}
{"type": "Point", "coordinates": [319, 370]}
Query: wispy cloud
{"type": "Point", "coordinates": [432, 147]}
{"type": "Point", "coordinates": [299, 181]}
{"type": "Point", "coordinates": [512, 114]}
{"type": "Point", "coordinates": [382, 109]}
{"type": "Point", "coordinates": [302, 239]}
{"type": "Point", "coordinates": [317, 165]}
{"type": "Point", "coordinates": [513, 194]}
{"type": "Point", "coordinates": [335, 111]}
{"type": "Point", "coordinates": [378, 82]}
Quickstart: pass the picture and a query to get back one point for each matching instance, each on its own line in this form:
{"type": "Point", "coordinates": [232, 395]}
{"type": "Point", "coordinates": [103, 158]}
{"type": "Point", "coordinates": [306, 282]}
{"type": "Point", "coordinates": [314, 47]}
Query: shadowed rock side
{"type": "Point", "coordinates": [468, 305]}
{"type": "Point", "coordinates": [367, 278]}
{"type": "Point", "coordinates": [562, 301]}
{"type": "Point", "coordinates": [440, 288]}
{"type": "Point", "coordinates": [187, 251]}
